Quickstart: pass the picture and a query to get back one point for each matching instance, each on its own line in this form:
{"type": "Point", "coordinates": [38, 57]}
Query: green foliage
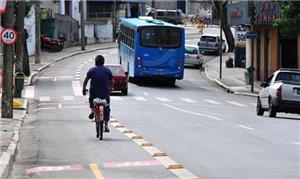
{"type": "Point", "coordinates": [289, 22]}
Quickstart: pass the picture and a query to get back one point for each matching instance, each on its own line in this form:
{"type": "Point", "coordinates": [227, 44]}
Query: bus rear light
{"type": "Point", "coordinates": [139, 60]}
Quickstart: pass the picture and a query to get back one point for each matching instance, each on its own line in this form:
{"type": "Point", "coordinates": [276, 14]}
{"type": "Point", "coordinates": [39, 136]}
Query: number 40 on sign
{"type": "Point", "coordinates": [8, 36]}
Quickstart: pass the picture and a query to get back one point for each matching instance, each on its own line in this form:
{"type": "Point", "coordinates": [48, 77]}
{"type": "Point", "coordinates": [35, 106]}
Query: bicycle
{"type": "Point", "coordinates": [99, 107]}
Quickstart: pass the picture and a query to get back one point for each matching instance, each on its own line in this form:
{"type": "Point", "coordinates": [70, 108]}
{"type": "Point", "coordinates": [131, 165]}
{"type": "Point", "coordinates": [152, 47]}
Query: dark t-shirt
{"type": "Point", "coordinates": [99, 85]}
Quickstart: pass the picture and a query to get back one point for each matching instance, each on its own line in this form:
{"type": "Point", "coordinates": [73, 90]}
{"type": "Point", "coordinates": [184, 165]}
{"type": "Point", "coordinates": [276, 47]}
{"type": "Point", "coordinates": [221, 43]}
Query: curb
{"type": "Point", "coordinates": [7, 157]}
{"type": "Point", "coordinates": [35, 72]}
{"type": "Point", "coordinates": [227, 88]}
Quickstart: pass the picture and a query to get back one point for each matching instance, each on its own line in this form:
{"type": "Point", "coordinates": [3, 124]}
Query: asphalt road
{"type": "Point", "coordinates": [212, 133]}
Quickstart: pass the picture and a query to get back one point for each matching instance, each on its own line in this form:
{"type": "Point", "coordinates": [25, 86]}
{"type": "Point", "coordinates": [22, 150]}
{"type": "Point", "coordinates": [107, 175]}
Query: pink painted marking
{"type": "Point", "coordinates": [132, 164]}
{"type": "Point", "coordinates": [29, 92]}
{"type": "Point", "coordinates": [54, 168]}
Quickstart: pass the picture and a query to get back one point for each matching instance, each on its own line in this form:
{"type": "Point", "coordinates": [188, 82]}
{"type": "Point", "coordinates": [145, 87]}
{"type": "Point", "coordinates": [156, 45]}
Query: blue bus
{"type": "Point", "coordinates": [151, 48]}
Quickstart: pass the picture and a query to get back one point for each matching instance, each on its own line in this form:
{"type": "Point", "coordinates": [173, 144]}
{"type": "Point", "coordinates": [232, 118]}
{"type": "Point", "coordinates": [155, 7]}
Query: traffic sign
{"type": "Point", "coordinates": [2, 6]}
{"type": "Point", "coordinates": [252, 35]}
{"type": "Point", "coordinates": [8, 36]}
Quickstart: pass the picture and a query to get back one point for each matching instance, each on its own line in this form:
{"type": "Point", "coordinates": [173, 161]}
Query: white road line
{"type": "Point", "coordinates": [188, 100]}
{"type": "Point", "coordinates": [86, 62]}
{"type": "Point", "coordinates": [77, 88]}
{"type": "Point", "coordinates": [112, 53]}
{"type": "Point", "coordinates": [44, 98]}
{"type": "Point", "coordinates": [116, 98]}
{"type": "Point", "coordinates": [140, 98]}
{"type": "Point", "coordinates": [79, 67]}
{"type": "Point", "coordinates": [245, 127]}
{"type": "Point", "coordinates": [29, 92]}
{"type": "Point", "coordinates": [68, 98]}
{"type": "Point", "coordinates": [78, 72]}
{"type": "Point", "coordinates": [55, 78]}
{"type": "Point", "coordinates": [193, 113]}
{"type": "Point", "coordinates": [64, 77]}
{"type": "Point", "coordinates": [253, 104]}
{"type": "Point", "coordinates": [90, 60]}
{"type": "Point", "coordinates": [236, 103]}
{"type": "Point", "coordinates": [211, 101]}
{"type": "Point", "coordinates": [296, 143]}
{"type": "Point", "coordinates": [44, 77]}
{"type": "Point", "coordinates": [77, 79]}
{"type": "Point", "coordinates": [59, 105]}
{"type": "Point", "coordinates": [146, 94]}
{"type": "Point", "coordinates": [163, 99]}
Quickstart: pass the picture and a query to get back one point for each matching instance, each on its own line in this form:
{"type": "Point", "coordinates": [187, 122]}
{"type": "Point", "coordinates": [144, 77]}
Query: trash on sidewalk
{"type": "Point", "coordinates": [229, 63]}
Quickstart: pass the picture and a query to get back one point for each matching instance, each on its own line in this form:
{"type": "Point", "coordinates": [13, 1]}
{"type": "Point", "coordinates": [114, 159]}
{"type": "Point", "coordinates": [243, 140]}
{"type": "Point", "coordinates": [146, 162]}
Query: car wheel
{"type": "Point", "coordinates": [224, 50]}
{"type": "Point", "coordinates": [259, 110]}
{"type": "Point", "coordinates": [272, 110]}
{"type": "Point", "coordinates": [125, 91]}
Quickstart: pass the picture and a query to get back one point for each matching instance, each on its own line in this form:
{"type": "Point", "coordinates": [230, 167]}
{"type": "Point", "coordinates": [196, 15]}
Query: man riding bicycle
{"type": "Point", "coordinates": [101, 78]}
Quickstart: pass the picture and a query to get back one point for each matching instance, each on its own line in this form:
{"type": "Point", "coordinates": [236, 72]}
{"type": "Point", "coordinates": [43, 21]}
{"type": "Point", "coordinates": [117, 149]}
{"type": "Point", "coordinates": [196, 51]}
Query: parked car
{"type": "Point", "coordinates": [171, 16]}
{"type": "Point", "coordinates": [280, 93]}
{"type": "Point", "coordinates": [120, 79]}
{"type": "Point", "coordinates": [210, 43]}
{"type": "Point", "coordinates": [193, 56]}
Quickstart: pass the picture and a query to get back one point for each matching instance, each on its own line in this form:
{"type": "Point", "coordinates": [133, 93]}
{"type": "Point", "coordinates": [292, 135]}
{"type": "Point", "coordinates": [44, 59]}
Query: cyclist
{"type": "Point", "coordinates": [101, 78]}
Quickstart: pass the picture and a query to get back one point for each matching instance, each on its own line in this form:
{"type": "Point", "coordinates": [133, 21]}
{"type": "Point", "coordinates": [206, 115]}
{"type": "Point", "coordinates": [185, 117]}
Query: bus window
{"type": "Point", "coordinates": [161, 37]}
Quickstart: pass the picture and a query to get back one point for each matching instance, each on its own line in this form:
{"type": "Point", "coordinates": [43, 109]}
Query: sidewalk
{"type": "Point", "coordinates": [9, 128]}
{"type": "Point", "coordinates": [233, 79]}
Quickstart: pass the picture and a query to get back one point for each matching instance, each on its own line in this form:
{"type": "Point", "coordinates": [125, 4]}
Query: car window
{"type": "Point", "coordinates": [269, 80]}
{"type": "Point", "coordinates": [288, 76]}
{"type": "Point", "coordinates": [116, 70]}
{"type": "Point", "coordinates": [191, 50]}
{"type": "Point", "coordinates": [160, 13]}
{"type": "Point", "coordinates": [171, 13]}
{"type": "Point", "coordinates": [208, 39]}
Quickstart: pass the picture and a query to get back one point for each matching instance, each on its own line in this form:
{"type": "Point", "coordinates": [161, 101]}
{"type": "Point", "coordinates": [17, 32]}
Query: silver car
{"type": "Point", "coordinates": [210, 43]}
{"type": "Point", "coordinates": [193, 56]}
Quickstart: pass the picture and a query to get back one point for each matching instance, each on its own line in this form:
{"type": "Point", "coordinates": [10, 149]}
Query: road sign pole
{"type": "Point", "coordinates": [220, 45]}
{"type": "Point", "coordinates": [7, 95]}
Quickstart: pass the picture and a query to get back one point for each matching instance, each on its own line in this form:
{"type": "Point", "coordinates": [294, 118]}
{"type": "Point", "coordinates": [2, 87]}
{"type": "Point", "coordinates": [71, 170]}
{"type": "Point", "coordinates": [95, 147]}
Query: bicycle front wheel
{"type": "Point", "coordinates": [101, 129]}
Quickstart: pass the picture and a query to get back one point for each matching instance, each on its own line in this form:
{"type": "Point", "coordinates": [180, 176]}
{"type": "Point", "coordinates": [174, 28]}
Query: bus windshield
{"type": "Point", "coordinates": [164, 37]}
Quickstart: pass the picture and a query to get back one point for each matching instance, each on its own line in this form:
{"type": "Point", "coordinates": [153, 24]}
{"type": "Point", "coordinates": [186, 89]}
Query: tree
{"type": "Point", "coordinates": [289, 22]}
{"type": "Point", "coordinates": [226, 29]}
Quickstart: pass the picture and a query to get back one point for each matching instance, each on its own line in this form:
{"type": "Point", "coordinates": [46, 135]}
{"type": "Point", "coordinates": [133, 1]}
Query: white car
{"type": "Point", "coordinates": [193, 56]}
{"type": "Point", "coordinates": [209, 43]}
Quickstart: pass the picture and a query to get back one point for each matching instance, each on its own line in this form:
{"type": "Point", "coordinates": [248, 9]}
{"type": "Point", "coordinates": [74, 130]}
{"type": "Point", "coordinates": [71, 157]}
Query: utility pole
{"type": "Point", "coordinates": [7, 95]}
{"type": "Point", "coordinates": [153, 4]}
{"type": "Point", "coordinates": [37, 33]}
{"type": "Point", "coordinates": [252, 21]}
{"type": "Point", "coordinates": [82, 25]}
{"type": "Point", "coordinates": [20, 40]}
{"type": "Point", "coordinates": [221, 38]}
{"type": "Point", "coordinates": [114, 19]}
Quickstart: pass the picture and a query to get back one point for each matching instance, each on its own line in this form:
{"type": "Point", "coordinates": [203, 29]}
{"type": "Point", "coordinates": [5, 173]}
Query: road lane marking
{"type": "Point", "coordinates": [29, 92]}
{"type": "Point", "coordinates": [68, 98]}
{"type": "Point", "coordinates": [253, 104]}
{"type": "Point", "coordinates": [54, 168]}
{"type": "Point", "coordinates": [193, 113]}
{"type": "Point", "coordinates": [296, 143]}
{"type": "Point", "coordinates": [96, 171]}
{"type": "Point", "coordinates": [245, 127]}
{"type": "Point", "coordinates": [211, 101]}
{"type": "Point", "coordinates": [54, 79]}
{"type": "Point", "coordinates": [163, 99]}
{"type": "Point", "coordinates": [188, 100]}
{"type": "Point", "coordinates": [59, 105]}
{"type": "Point", "coordinates": [86, 62]}
{"type": "Point", "coordinates": [146, 94]}
{"type": "Point", "coordinates": [132, 164]}
{"type": "Point", "coordinates": [77, 88]}
{"type": "Point", "coordinates": [44, 98]}
{"type": "Point", "coordinates": [236, 103]}
{"type": "Point", "coordinates": [140, 98]}
{"type": "Point", "coordinates": [116, 98]}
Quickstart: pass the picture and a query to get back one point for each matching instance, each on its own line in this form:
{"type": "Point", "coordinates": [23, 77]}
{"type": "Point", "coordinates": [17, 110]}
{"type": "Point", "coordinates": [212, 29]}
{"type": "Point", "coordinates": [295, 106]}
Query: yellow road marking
{"type": "Point", "coordinates": [96, 171]}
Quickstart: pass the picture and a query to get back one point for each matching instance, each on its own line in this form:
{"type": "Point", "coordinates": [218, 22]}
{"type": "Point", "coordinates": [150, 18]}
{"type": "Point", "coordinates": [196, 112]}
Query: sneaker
{"type": "Point", "coordinates": [97, 135]}
{"type": "Point", "coordinates": [91, 116]}
{"type": "Point", "coordinates": [106, 129]}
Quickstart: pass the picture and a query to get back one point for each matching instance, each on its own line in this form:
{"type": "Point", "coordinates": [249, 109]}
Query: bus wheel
{"type": "Point", "coordinates": [171, 82]}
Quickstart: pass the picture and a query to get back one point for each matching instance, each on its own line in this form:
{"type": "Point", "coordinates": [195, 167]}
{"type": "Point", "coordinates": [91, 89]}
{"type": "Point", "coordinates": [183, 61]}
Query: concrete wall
{"type": "Point", "coordinates": [273, 51]}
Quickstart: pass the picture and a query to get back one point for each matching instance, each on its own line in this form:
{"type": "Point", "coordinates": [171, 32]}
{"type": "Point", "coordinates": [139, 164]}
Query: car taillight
{"type": "Point", "coordinates": [279, 91]}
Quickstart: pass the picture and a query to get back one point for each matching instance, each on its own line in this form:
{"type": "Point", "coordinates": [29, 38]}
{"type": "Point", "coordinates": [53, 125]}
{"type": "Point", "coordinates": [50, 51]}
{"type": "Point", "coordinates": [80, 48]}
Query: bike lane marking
{"type": "Point", "coordinates": [54, 168]}
{"type": "Point", "coordinates": [96, 171]}
{"type": "Point", "coordinates": [171, 165]}
{"type": "Point", "coordinates": [132, 164]}
{"type": "Point", "coordinates": [77, 88]}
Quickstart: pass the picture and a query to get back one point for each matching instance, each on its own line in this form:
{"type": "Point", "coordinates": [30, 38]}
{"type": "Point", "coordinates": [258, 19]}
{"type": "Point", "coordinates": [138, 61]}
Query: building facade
{"type": "Point", "coordinates": [270, 51]}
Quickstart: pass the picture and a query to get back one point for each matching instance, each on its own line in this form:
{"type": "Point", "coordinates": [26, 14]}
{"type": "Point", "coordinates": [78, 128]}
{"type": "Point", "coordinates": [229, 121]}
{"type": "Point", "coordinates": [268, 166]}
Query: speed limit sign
{"type": "Point", "coordinates": [8, 36]}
